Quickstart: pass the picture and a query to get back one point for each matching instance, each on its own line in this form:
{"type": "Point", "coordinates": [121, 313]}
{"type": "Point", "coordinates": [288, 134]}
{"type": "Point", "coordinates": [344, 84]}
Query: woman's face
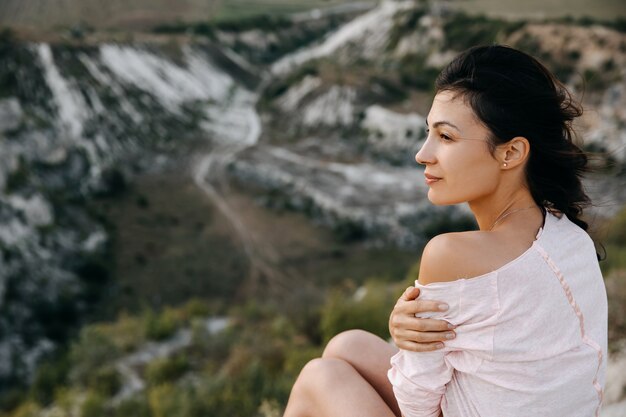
{"type": "Point", "coordinates": [458, 165]}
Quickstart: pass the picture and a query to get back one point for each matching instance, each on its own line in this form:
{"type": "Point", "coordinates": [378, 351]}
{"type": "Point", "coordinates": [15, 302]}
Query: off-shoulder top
{"type": "Point", "coordinates": [531, 337]}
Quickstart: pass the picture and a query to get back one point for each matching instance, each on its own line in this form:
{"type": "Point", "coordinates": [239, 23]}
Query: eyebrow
{"type": "Point", "coordinates": [444, 122]}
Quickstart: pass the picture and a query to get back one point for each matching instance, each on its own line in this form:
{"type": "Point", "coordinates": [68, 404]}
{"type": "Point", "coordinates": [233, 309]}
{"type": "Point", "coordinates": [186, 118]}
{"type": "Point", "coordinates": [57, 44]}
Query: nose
{"type": "Point", "coordinates": [425, 155]}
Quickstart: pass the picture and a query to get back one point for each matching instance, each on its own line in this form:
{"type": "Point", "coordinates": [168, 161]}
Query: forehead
{"type": "Point", "coordinates": [451, 107]}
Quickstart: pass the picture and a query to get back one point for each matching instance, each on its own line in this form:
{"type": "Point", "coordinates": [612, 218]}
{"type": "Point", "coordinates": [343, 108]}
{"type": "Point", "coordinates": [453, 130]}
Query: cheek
{"type": "Point", "coordinates": [467, 177]}
{"type": "Point", "coordinates": [479, 179]}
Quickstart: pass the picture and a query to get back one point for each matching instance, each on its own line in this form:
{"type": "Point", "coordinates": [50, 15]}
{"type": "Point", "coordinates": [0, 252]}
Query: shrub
{"type": "Point", "coordinates": [168, 400]}
{"type": "Point", "coordinates": [161, 326]}
{"type": "Point", "coordinates": [133, 407]}
{"type": "Point", "coordinates": [616, 291]}
{"type": "Point", "coordinates": [19, 177]}
{"type": "Point", "coordinates": [415, 74]}
{"type": "Point", "coordinates": [463, 31]}
{"type": "Point", "coordinates": [66, 400]}
{"type": "Point", "coordinates": [371, 312]}
{"type": "Point", "coordinates": [27, 409]}
{"type": "Point", "coordinates": [263, 22]}
{"type": "Point", "coordinates": [105, 381]}
{"type": "Point", "coordinates": [127, 333]}
{"type": "Point", "coordinates": [296, 358]}
{"type": "Point", "coordinates": [238, 395]}
{"type": "Point", "coordinates": [393, 90]}
{"type": "Point", "coordinates": [347, 230]}
{"type": "Point", "coordinates": [196, 308]}
{"type": "Point", "coordinates": [49, 376]}
{"type": "Point", "coordinates": [405, 23]}
{"type": "Point", "coordinates": [445, 222]}
{"type": "Point", "coordinates": [93, 406]}
{"type": "Point", "coordinates": [165, 370]}
{"type": "Point", "coordinates": [279, 87]}
{"type": "Point", "coordinates": [617, 229]}
{"type": "Point", "coordinates": [89, 353]}
{"type": "Point", "coordinates": [94, 271]}
{"type": "Point", "coordinates": [615, 258]}
{"type": "Point", "coordinates": [114, 182]}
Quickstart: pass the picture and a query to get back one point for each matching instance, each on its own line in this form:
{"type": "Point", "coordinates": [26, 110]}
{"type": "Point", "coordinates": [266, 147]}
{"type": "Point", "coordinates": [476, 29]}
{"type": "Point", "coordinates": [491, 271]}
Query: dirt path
{"type": "Point", "coordinates": [236, 126]}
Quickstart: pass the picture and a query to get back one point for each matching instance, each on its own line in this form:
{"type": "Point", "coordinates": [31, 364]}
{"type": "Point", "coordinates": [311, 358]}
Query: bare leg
{"type": "Point", "coordinates": [370, 356]}
{"type": "Point", "coordinates": [349, 380]}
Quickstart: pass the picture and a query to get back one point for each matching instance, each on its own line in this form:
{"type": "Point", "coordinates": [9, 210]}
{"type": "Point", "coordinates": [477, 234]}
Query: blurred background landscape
{"type": "Point", "coordinates": [196, 195]}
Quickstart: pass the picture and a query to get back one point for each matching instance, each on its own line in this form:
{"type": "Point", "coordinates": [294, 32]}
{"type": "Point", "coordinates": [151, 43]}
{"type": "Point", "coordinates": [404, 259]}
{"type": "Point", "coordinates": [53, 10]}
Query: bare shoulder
{"type": "Point", "coordinates": [451, 256]}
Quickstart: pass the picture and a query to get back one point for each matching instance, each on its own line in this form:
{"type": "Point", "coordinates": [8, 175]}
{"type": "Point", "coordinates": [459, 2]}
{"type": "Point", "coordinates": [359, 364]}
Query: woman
{"type": "Point", "coordinates": [524, 293]}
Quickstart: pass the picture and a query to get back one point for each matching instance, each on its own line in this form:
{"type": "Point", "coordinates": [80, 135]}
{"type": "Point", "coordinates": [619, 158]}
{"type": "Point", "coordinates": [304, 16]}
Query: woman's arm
{"type": "Point", "coordinates": [419, 382]}
{"type": "Point", "coordinates": [418, 334]}
{"type": "Point", "coordinates": [419, 379]}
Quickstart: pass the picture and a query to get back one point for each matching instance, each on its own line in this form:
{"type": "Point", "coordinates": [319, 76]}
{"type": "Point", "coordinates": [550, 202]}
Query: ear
{"type": "Point", "coordinates": [514, 152]}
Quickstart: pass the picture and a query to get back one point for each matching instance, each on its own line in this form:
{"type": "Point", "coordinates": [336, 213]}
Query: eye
{"type": "Point", "coordinates": [445, 137]}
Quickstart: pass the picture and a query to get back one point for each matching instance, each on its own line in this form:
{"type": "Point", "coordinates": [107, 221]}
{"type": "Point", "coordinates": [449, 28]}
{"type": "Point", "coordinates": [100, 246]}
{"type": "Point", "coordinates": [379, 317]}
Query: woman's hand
{"type": "Point", "coordinates": [416, 334]}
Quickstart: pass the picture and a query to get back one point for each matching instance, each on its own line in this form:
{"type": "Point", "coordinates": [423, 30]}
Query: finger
{"type": "Point", "coordinates": [423, 337]}
{"type": "Point", "coordinates": [420, 347]}
{"type": "Point", "coordinates": [419, 306]}
{"type": "Point", "coordinates": [411, 293]}
{"type": "Point", "coordinates": [423, 306]}
{"type": "Point", "coordinates": [424, 325]}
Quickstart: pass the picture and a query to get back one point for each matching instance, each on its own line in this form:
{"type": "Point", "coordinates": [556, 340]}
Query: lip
{"type": "Point", "coordinates": [430, 179]}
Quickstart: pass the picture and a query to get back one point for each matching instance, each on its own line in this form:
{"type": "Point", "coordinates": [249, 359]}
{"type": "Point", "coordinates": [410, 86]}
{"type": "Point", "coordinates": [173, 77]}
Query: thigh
{"type": "Point", "coordinates": [370, 356]}
{"type": "Point", "coordinates": [331, 387]}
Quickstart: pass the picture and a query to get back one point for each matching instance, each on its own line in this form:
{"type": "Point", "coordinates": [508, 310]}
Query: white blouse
{"type": "Point", "coordinates": [531, 337]}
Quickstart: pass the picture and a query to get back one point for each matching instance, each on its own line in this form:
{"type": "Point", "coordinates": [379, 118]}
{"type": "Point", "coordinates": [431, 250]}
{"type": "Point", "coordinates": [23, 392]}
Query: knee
{"type": "Point", "coordinates": [320, 372]}
{"type": "Point", "coordinates": [346, 344]}
{"type": "Point", "coordinates": [316, 382]}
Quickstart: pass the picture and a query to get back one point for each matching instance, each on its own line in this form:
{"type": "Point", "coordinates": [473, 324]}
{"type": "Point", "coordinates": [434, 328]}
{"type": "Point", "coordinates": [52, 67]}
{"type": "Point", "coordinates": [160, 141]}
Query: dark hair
{"type": "Point", "coordinates": [513, 94]}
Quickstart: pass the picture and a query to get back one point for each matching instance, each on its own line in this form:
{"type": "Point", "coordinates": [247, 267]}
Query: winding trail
{"type": "Point", "coordinates": [235, 125]}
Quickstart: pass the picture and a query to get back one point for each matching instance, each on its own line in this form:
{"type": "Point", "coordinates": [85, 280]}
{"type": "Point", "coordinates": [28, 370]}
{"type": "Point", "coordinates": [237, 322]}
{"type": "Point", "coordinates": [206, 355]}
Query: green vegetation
{"type": "Point", "coordinates": [617, 230]}
{"type": "Point", "coordinates": [613, 239]}
{"type": "Point", "coordinates": [414, 73]}
{"type": "Point", "coordinates": [238, 9]}
{"type": "Point", "coordinates": [615, 244]}
{"type": "Point", "coordinates": [404, 22]}
{"type": "Point", "coordinates": [156, 223]}
{"type": "Point", "coordinates": [393, 90]}
{"type": "Point", "coordinates": [261, 354]}
{"type": "Point", "coordinates": [7, 50]}
{"type": "Point", "coordinates": [367, 309]}
{"type": "Point", "coordinates": [280, 86]}
{"type": "Point", "coordinates": [152, 271]}
{"type": "Point", "coordinates": [602, 160]}
{"type": "Point", "coordinates": [463, 30]}
{"type": "Point", "coordinates": [264, 22]}
{"type": "Point", "coordinates": [512, 9]}
{"type": "Point", "coordinates": [604, 77]}
{"type": "Point", "coordinates": [93, 405]}
{"type": "Point", "coordinates": [50, 375]}
{"type": "Point", "coordinates": [248, 368]}
{"type": "Point", "coordinates": [166, 370]}
{"type": "Point", "coordinates": [19, 177]}
{"type": "Point", "coordinates": [163, 325]}
{"type": "Point", "coordinates": [618, 24]}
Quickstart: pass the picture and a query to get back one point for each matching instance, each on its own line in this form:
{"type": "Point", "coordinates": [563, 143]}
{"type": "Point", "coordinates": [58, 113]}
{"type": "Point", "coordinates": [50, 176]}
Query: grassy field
{"type": "Point", "coordinates": [599, 9]}
{"type": "Point", "coordinates": [234, 9]}
{"type": "Point", "coordinates": [171, 244]}
{"type": "Point", "coordinates": [144, 14]}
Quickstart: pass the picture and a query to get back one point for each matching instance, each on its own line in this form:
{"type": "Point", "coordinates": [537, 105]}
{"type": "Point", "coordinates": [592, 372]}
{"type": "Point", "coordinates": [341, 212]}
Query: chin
{"type": "Point", "coordinates": [439, 200]}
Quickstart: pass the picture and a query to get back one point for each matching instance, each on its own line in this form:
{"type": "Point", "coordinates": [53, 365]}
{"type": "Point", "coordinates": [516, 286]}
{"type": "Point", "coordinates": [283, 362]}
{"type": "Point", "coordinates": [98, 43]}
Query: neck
{"type": "Point", "coordinates": [488, 211]}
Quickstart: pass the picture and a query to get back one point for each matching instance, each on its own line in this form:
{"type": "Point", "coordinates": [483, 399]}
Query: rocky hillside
{"type": "Point", "coordinates": [318, 114]}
